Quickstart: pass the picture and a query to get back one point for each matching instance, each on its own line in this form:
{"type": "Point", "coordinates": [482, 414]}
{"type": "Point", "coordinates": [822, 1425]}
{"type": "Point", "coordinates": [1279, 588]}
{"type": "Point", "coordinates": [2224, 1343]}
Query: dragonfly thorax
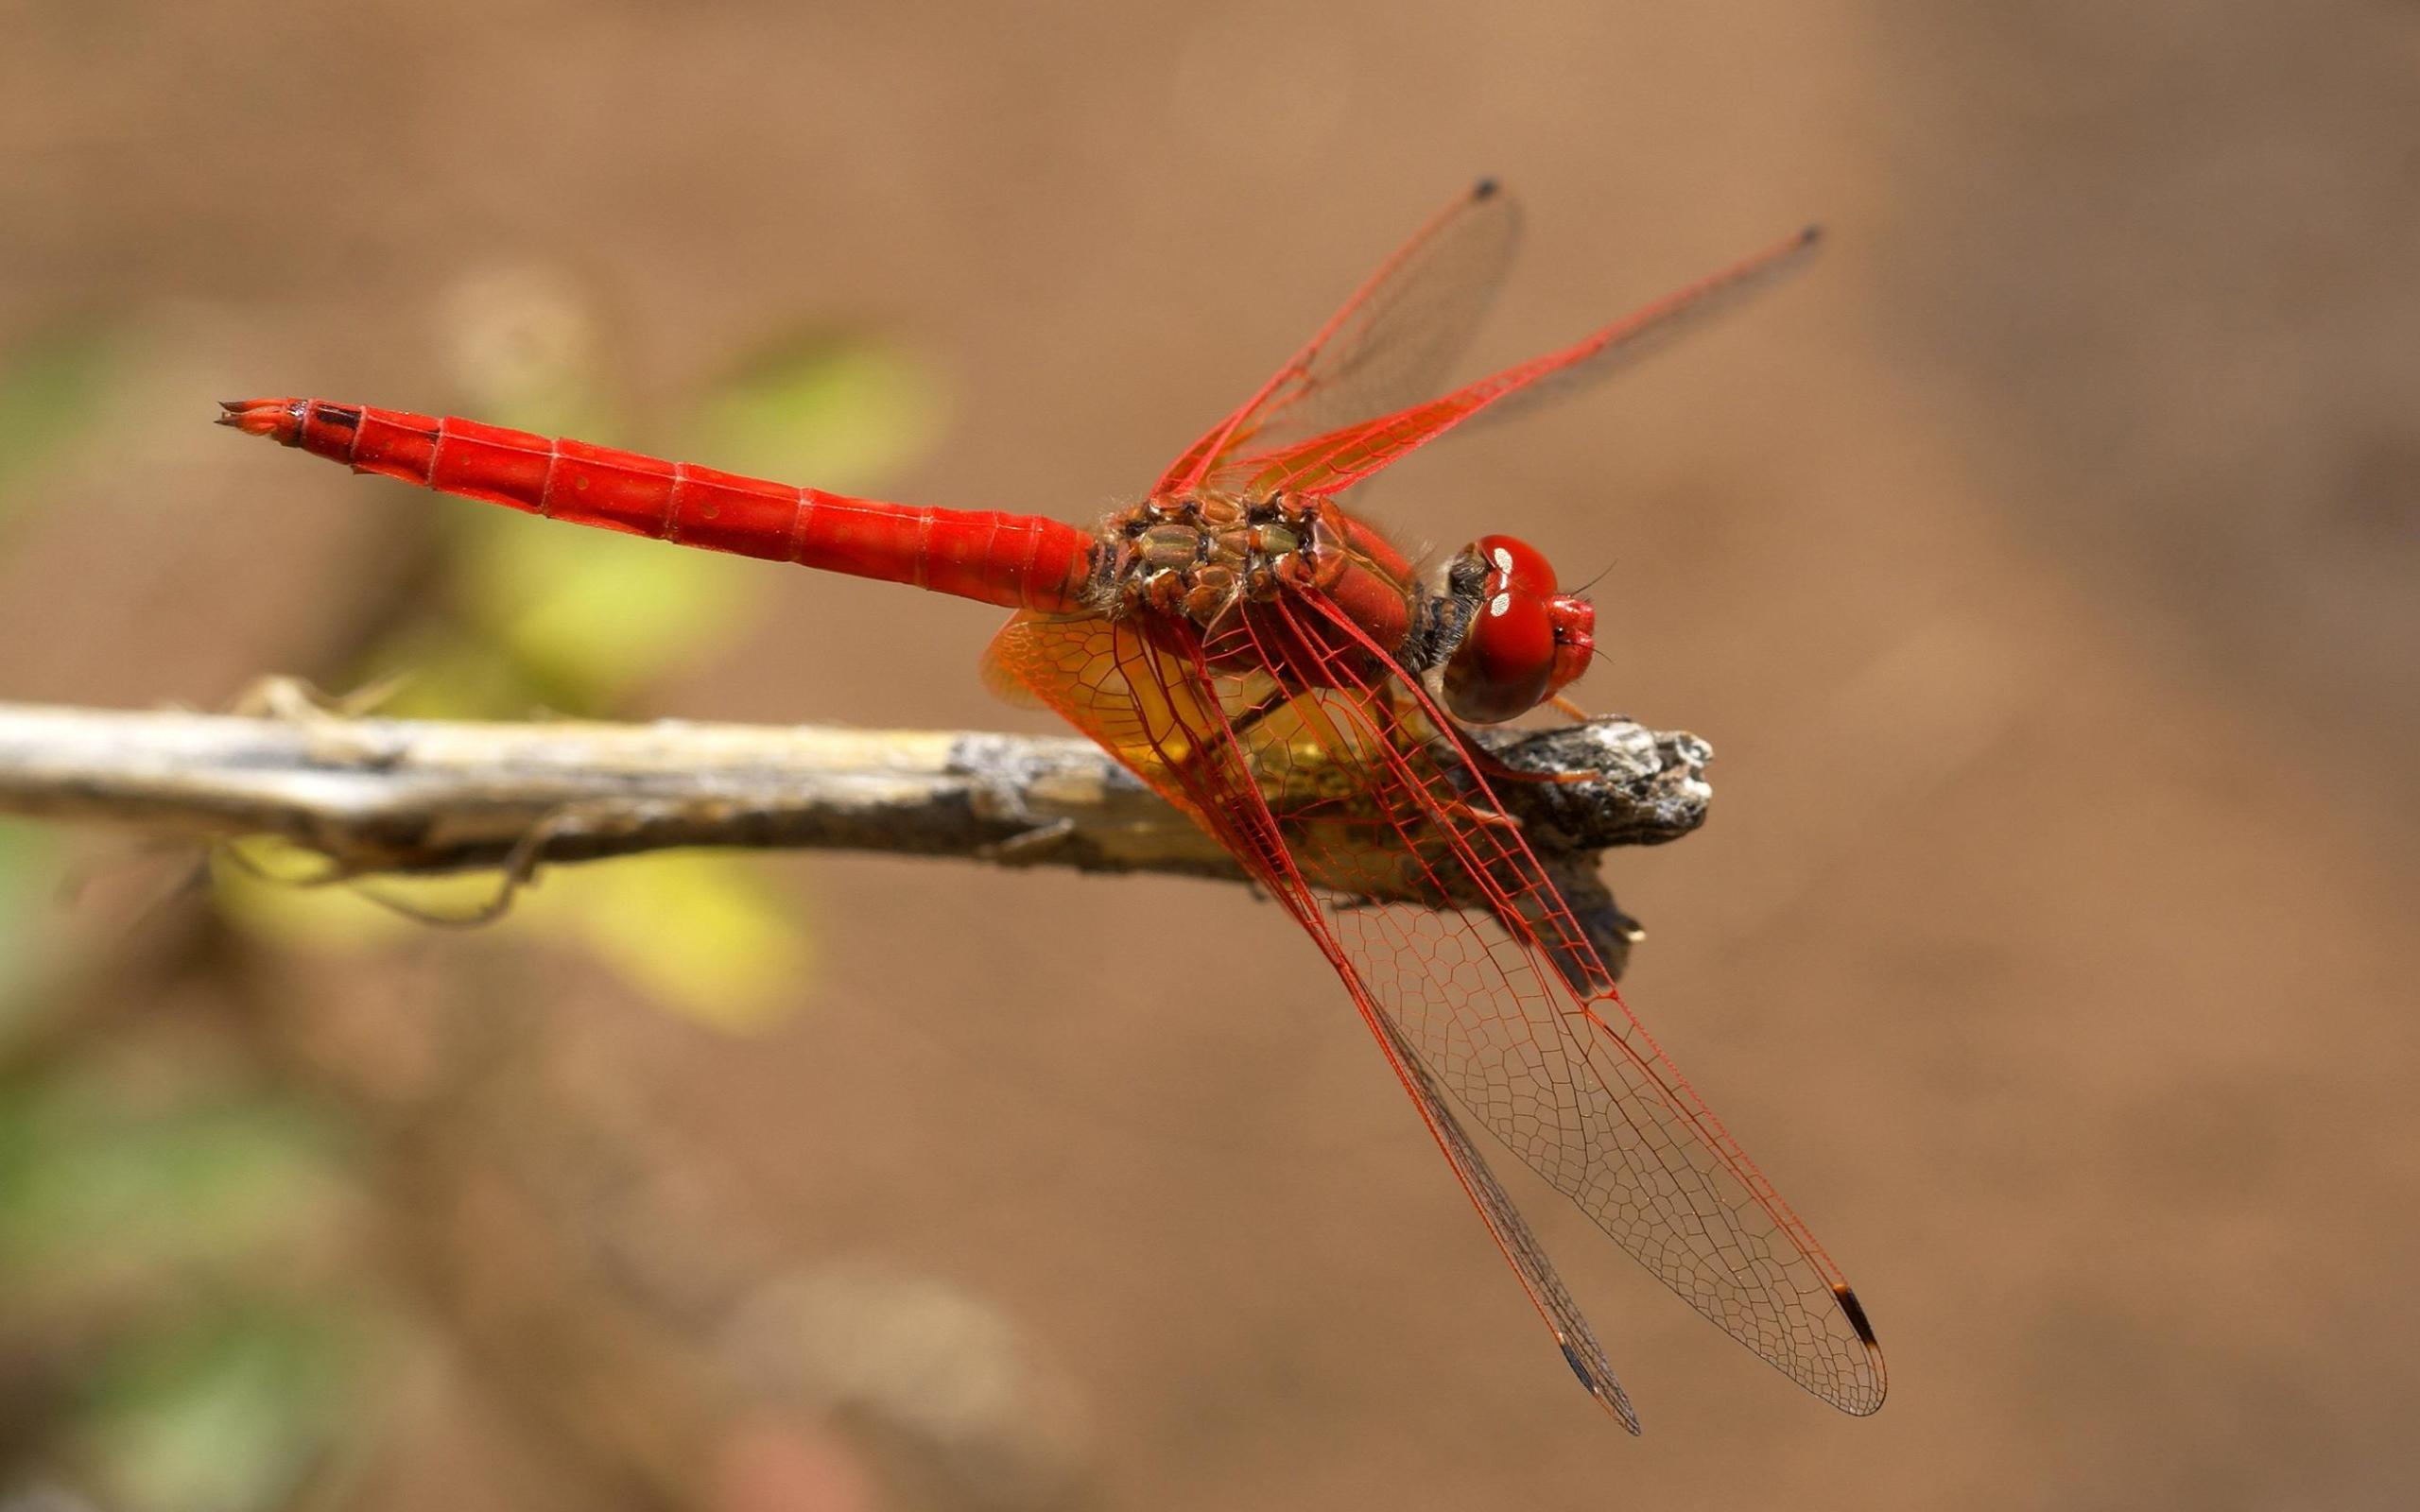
{"type": "Point", "coordinates": [1203, 556]}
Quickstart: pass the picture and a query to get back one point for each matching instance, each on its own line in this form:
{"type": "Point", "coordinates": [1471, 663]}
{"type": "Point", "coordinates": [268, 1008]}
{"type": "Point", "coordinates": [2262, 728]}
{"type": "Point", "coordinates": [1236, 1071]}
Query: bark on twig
{"type": "Point", "coordinates": [407, 796]}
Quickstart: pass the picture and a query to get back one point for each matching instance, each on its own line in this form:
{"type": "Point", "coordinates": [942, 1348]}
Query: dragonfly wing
{"type": "Point", "coordinates": [1503, 1003]}
{"type": "Point", "coordinates": [1336, 460]}
{"type": "Point", "coordinates": [1152, 708]}
{"type": "Point", "coordinates": [1504, 1222]}
{"type": "Point", "coordinates": [1392, 343]}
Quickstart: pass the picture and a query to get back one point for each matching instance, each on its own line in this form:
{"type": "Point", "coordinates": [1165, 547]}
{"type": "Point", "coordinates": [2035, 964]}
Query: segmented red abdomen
{"type": "Point", "coordinates": [1016, 561]}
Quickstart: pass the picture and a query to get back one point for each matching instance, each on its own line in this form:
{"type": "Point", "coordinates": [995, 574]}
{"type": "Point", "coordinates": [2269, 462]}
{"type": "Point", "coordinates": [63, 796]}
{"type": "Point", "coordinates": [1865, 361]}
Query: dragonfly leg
{"type": "Point", "coordinates": [1032, 847]}
{"type": "Point", "coordinates": [1245, 721]}
{"type": "Point", "coordinates": [1493, 768]}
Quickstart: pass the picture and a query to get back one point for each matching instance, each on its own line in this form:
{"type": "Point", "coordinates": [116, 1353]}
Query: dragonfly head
{"type": "Point", "coordinates": [1524, 639]}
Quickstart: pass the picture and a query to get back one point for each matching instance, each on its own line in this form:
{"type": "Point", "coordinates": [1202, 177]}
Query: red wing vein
{"type": "Point", "coordinates": [1342, 458]}
{"type": "Point", "coordinates": [1595, 1107]}
{"type": "Point", "coordinates": [1512, 1232]}
{"type": "Point", "coordinates": [1467, 1000]}
{"type": "Point", "coordinates": [1141, 703]}
{"type": "Point", "coordinates": [1391, 344]}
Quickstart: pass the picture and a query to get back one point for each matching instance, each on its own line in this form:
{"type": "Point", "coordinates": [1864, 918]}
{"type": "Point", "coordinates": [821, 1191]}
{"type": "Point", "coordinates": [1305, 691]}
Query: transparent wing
{"type": "Point", "coordinates": [1504, 1222]}
{"type": "Point", "coordinates": [1339, 459]}
{"type": "Point", "coordinates": [1389, 345]}
{"type": "Point", "coordinates": [1150, 708]}
{"type": "Point", "coordinates": [1503, 1003]}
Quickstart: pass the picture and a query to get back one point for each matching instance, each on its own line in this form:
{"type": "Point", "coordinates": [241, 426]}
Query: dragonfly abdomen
{"type": "Point", "coordinates": [1016, 561]}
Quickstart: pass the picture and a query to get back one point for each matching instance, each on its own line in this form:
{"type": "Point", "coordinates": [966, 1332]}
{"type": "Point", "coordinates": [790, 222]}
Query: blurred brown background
{"type": "Point", "coordinates": [2044, 570]}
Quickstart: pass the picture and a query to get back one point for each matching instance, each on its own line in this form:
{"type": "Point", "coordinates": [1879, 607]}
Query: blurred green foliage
{"type": "Point", "coordinates": [156, 1233]}
{"type": "Point", "coordinates": [171, 1221]}
{"type": "Point", "coordinates": [534, 618]}
{"type": "Point", "coordinates": [29, 881]}
{"type": "Point", "coordinates": [228, 1410]}
{"type": "Point", "coordinates": [50, 393]}
{"type": "Point", "coordinates": [94, 1184]}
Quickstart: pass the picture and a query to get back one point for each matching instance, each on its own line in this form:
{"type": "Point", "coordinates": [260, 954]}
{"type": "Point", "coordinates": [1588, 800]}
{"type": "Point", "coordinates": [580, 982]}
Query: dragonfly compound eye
{"type": "Point", "coordinates": [1508, 660]}
{"type": "Point", "coordinates": [1513, 563]}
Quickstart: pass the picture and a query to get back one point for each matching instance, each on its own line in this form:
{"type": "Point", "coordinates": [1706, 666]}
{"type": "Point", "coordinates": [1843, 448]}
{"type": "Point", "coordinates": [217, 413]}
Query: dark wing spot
{"type": "Point", "coordinates": [1607, 1391]}
{"type": "Point", "coordinates": [1855, 1310]}
{"type": "Point", "coordinates": [1571, 1358]}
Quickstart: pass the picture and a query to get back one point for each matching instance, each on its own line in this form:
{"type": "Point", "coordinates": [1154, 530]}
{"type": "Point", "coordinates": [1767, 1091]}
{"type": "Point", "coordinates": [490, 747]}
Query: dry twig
{"type": "Point", "coordinates": [388, 795]}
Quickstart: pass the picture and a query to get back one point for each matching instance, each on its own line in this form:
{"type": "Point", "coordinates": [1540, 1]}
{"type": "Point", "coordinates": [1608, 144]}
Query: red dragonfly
{"type": "Point", "coordinates": [1255, 650]}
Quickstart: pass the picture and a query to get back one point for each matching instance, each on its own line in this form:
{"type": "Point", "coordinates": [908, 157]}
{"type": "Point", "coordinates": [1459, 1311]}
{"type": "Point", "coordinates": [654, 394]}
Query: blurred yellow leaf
{"type": "Point", "coordinates": [572, 620]}
{"type": "Point", "coordinates": [593, 613]}
{"type": "Point", "coordinates": [435, 669]}
{"type": "Point", "coordinates": [830, 410]}
{"type": "Point", "coordinates": [704, 933]}
{"type": "Point", "coordinates": [262, 884]}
